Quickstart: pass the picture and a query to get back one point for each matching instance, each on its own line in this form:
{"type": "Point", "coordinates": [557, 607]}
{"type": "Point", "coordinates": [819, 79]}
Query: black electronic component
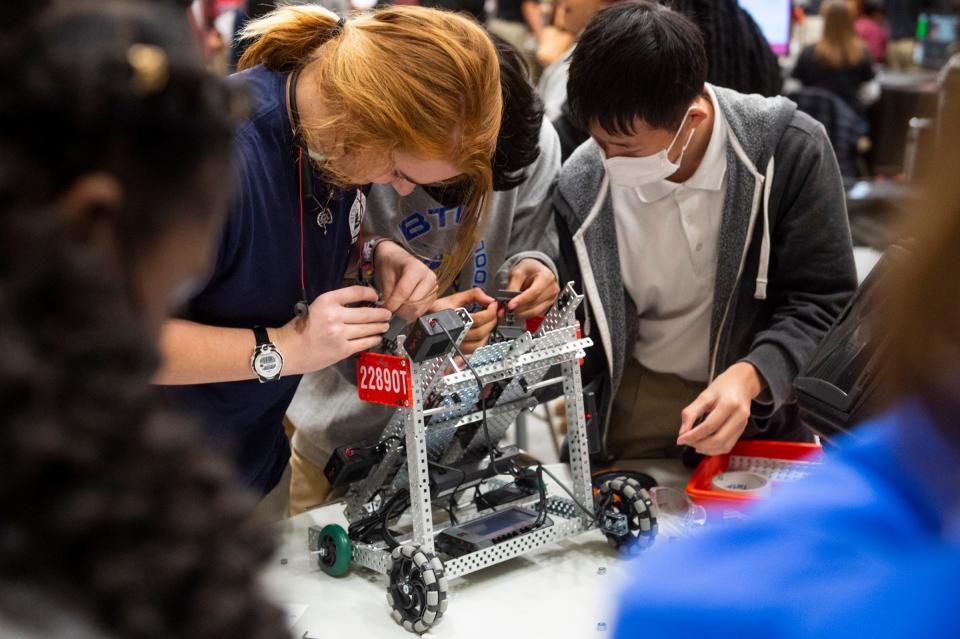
{"type": "Point", "coordinates": [492, 392]}
{"type": "Point", "coordinates": [490, 530]}
{"type": "Point", "coordinates": [503, 495]}
{"type": "Point", "coordinates": [508, 326]}
{"type": "Point", "coordinates": [444, 479]}
{"type": "Point", "coordinates": [426, 338]}
{"type": "Point", "coordinates": [591, 420]}
{"type": "Point", "coordinates": [348, 464]}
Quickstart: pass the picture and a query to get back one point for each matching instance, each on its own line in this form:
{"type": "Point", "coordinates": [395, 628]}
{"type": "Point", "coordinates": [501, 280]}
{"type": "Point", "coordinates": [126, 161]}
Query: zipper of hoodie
{"type": "Point", "coordinates": [757, 192]}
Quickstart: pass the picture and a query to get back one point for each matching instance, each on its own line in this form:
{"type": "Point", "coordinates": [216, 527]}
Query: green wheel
{"type": "Point", "coordinates": [334, 555]}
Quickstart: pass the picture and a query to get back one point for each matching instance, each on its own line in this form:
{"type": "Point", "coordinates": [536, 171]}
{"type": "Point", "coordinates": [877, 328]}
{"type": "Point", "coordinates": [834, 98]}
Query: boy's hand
{"type": "Point", "coordinates": [725, 407]}
{"type": "Point", "coordinates": [538, 289]}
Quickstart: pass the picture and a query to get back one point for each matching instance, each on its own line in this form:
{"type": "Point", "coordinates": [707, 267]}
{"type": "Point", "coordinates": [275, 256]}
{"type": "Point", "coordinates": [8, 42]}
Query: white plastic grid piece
{"type": "Point", "coordinates": [782, 470]}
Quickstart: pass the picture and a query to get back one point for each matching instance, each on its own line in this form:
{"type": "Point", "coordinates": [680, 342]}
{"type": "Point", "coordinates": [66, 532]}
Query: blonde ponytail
{"type": "Point", "coordinates": [287, 37]}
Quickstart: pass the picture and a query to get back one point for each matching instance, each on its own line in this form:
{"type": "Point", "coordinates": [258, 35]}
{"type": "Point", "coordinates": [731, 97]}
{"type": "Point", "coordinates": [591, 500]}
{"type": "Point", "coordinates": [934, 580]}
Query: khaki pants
{"type": "Point", "coordinates": [645, 421]}
{"type": "Point", "coordinates": [308, 485]}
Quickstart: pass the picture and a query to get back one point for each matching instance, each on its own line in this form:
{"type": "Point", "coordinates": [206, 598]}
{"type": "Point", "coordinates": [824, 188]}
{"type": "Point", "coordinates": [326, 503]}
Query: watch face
{"type": "Point", "coordinates": [267, 363]}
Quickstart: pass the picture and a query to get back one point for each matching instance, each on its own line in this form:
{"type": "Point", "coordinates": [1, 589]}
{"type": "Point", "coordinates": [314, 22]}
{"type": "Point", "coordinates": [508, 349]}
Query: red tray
{"type": "Point", "coordinates": [702, 491]}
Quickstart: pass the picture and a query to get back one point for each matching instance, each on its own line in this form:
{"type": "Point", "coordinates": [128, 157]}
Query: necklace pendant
{"type": "Point", "coordinates": [324, 219]}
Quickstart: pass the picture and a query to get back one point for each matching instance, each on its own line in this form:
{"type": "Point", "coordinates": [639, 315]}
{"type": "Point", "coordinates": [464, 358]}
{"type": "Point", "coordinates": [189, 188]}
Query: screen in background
{"type": "Point", "coordinates": [938, 37]}
{"type": "Point", "coordinates": [773, 16]}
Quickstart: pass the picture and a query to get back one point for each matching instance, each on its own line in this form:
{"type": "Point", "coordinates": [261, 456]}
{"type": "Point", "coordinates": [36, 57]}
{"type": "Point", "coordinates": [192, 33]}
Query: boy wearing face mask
{"type": "Point", "coordinates": [709, 232]}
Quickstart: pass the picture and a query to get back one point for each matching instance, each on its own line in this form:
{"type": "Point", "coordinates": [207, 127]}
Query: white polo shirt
{"type": "Point", "coordinates": [667, 238]}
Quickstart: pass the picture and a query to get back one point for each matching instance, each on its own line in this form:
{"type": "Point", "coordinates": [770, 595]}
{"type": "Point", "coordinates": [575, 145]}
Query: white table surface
{"type": "Point", "coordinates": [562, 590]}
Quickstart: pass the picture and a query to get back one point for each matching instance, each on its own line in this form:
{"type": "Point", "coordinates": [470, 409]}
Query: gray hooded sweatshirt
{"type": "Point", "coordinates": [785, 266]}
{"type": "Point", "coordinates": [326, 410]}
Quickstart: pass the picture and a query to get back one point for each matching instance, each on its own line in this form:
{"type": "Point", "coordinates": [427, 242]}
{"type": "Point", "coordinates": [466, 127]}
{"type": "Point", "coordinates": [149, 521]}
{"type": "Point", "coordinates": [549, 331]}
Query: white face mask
{"type": "Point", "coordinates": [636, 172]}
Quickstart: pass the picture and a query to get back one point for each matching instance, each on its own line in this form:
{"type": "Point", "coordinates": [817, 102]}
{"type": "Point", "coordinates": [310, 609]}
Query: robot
{"type": "Point", "coordinates": [437, 497]}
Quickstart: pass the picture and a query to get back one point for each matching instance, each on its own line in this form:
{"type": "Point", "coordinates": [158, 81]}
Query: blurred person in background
{"type": "Point", "coordinates": [473, 8]}
{"type": "Point", "coordinates": [902, 17]}
{"type": "Point", "coordinates": [326, 410]}
{"type": "Point", "coordinates": [840, 62]}
{"type": "Point", "coordinates": [333, 112]}
{"type": "Point", "coordinates": [252, 10]}
{"type": "Point", "coordinates": [117, 521]}
{"type": "Point", "coordinates": [873, 29]}
{"type": "Point", "coordinates": [520, 22]}
{"type": "Point", "coordinates": [555, 48]}
{"type": "Point", "coordinates": [869, 544]}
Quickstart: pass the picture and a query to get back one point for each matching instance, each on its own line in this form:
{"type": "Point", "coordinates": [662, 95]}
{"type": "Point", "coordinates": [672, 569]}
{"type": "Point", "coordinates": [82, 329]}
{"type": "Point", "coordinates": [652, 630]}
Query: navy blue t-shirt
{"type": "Point", "coordinates": [256, 279]}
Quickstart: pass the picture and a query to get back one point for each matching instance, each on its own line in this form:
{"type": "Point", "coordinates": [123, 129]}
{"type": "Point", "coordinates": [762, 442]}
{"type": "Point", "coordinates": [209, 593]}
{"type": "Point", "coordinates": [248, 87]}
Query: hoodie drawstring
{"type": "Point", "coordinates": [763, 269]}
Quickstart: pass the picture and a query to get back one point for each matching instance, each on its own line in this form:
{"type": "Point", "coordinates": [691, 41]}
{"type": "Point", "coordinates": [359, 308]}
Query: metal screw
{"type": "Point", "coordinates": [283, 561]}
{"type": "Point", "coordinates": [602, 570]}
{"type": "Point", "coordinates": [602, 626]}
{"type": "Point", "coordinates": [405, 588]}
{"type": "Point", "coordinates": [322, 552]}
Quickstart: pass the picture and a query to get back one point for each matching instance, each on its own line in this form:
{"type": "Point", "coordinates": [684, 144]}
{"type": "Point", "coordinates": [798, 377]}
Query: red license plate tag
{"type": "Point", "coordinates": [384, 379]}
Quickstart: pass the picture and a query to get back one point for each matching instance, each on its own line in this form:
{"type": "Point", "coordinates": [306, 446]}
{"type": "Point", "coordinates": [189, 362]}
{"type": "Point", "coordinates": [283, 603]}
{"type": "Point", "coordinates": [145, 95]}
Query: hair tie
{"type": "Point", "coordinates": [150, 68]}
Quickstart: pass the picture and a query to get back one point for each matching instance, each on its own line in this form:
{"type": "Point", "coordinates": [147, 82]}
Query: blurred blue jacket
{"type": "Point", "coordinates": [867, 547]}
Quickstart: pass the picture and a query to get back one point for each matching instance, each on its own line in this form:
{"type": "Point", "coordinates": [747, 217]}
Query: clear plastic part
{"type": "Point", "coordinates": [678, 516]}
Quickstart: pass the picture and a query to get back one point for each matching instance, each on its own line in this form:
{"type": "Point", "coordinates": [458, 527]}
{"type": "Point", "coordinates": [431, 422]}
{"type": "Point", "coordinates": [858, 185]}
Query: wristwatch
{"type": "Point", "coordinates": [267, 362]}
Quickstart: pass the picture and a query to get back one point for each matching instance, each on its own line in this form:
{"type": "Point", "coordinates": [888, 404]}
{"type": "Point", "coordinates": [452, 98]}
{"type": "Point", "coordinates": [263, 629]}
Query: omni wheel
{"type": "Point", "coordinates": [417, 591]}
{"type": "Point", "coordinates": [627, 514]}
{"type": "Point", "coordinates": [334, 550]}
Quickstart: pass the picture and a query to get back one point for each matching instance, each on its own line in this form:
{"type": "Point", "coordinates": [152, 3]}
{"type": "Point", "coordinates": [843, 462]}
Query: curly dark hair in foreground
{"type": "Point", "coordinates": [108, 503]}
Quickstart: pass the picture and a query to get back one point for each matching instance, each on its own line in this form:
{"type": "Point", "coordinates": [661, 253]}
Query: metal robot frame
{"type": "Point", "coordinates": [522, 363]}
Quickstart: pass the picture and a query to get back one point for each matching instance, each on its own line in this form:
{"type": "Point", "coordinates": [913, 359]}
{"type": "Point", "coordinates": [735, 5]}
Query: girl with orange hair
{"type": "Point", "coordinates": [404, 96]}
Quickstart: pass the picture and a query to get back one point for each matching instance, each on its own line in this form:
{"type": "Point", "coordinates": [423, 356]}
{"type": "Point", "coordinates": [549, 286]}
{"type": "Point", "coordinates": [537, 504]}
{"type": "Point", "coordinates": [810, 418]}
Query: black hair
{"type": "Point", "coordinates": [738, 55]}
{"type": "Point", "coordinates": [636, 60]}
{"type": "Point", "coordinates": [518, 142]}
{"type": "Point", "coordinates": [107, 500]}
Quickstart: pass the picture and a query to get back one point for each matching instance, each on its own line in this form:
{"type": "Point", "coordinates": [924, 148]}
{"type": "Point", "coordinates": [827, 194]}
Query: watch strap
{"type": "Point", "coordinates": [260, 333]}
